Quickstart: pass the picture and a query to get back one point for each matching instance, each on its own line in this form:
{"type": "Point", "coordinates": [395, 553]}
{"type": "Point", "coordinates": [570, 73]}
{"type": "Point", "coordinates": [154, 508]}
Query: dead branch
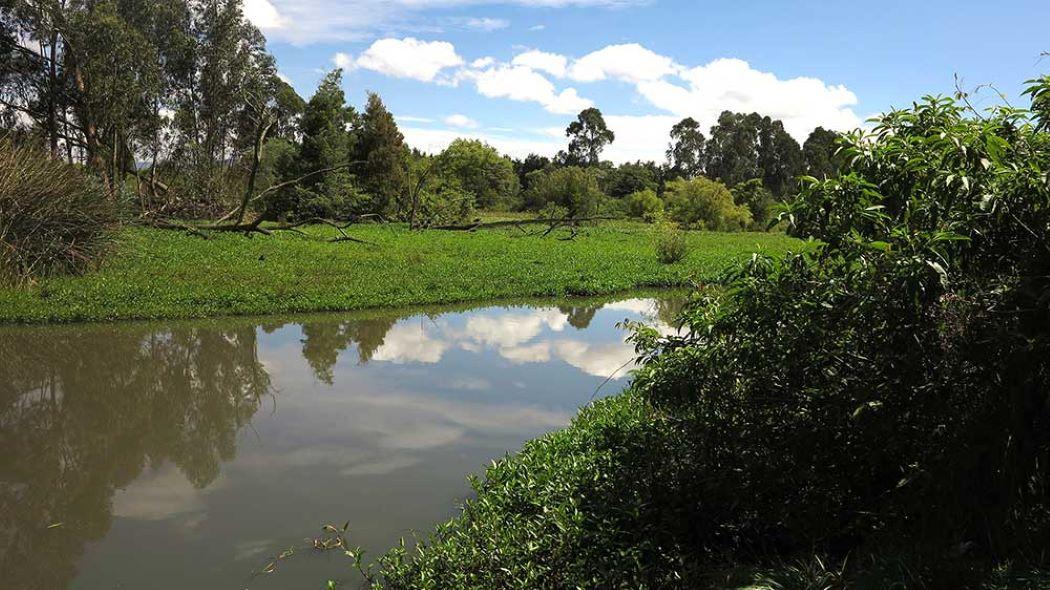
{"type": "Point", "coordinates": [521, 222]}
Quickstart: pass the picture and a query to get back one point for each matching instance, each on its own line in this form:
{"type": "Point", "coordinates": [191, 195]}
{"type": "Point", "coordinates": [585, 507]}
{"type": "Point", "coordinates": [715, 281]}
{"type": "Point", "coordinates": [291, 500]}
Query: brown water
{"type": "Point", "coordinates": [190, 454]}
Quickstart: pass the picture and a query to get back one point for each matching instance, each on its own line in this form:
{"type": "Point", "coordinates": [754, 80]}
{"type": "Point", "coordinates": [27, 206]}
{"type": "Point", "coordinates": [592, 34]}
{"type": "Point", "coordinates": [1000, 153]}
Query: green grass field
{"type": "Point", "coordinates": [156, 274]}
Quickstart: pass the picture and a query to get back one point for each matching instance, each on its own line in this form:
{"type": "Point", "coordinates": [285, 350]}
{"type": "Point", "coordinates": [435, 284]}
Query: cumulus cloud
{"type": "Point", "coordinates": [264, 15]}
{"type": "Point", "coordinates": [629, 62]}
{"type": "Point", "coordinates": [525, 84]}
{"type": "Point", "coordinates": [461, 121]}
{"type": "Point", "coordinates": [732, 84]}
{"type": "Point", "coordinates": [343, 60]}
{"type": "Point", "coordinates": [409, 58]}
{"type": "Point", "coordinates": [551, 63]}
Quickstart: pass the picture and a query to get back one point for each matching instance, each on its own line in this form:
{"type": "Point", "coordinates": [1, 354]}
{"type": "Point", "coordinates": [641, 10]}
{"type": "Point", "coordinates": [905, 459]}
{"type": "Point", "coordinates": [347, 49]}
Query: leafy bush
{"type": "Point", "coordinates": [759, 201]}
{"type": "Point", "coordinates": [53, 217]}
{"type": "Point", "coordinates": [645, 205]}
{"type": "Point", "coordinates": [575, 189]}
{"type": "Point", "coordinates": [706, 204]}
{"type": "Point", "coordinates": [883, 403]}
{"type": "Point", "coordinates": [670, 243]}
{"type": "Point", "coordinates": [482, 172]}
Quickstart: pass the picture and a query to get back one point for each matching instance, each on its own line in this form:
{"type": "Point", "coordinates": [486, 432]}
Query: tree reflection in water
{"type": "Point", "coordinates": [78, 420]}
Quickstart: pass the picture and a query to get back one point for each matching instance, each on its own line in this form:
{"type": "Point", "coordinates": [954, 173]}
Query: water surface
{"type": "Point", "coordinates": [190, 454]}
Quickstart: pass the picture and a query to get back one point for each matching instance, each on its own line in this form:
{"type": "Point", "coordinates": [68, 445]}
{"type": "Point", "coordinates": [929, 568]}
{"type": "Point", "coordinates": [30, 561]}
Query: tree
{"type": "Point", "coordinates": [481, 171]}
{"type": "Point", "coordinates": [756, 197]}
{"type": "Point", "coordinates": [819, 154]}
{"type": "Point", "coordinates": [705, 203]}
{"type": "Point", "coordinates": [685, 154]}
{"type": "Point", "coordinates": [779, 158]}
{"type": "Point", "coordinates": [743, 147]}
{"type": "Point", "coordinates": [382, 149]}
{"type": "Point", "coordinates": [326, 144]}
{"type": "Point", "coordinates": [645, 205]}
{"type": "Point", "coordinates": [629, 178]}
{"type": "Point", "coordinates": [573, 188]}
{"type": "Point", "coordinates": [588, 135]}
{"type": "Point", "coordinates": [531, 163]}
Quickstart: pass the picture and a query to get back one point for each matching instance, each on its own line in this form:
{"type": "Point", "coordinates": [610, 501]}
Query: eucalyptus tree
{"type": "Point", "coordinates": [819, 154]}
{"type": "Point", "coordinates": [685, 154]}
{"type": "Point", "coordinates": [588, 136]}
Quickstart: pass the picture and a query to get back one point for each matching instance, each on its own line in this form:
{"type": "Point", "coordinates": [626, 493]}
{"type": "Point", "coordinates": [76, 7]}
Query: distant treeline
{"type": "Point", "coordinates": [177, 108]}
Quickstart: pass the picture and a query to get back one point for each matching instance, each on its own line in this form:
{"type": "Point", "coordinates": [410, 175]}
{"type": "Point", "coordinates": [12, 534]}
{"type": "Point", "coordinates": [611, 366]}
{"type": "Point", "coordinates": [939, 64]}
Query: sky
{"type": "Point", "coordinates": [514, 73]}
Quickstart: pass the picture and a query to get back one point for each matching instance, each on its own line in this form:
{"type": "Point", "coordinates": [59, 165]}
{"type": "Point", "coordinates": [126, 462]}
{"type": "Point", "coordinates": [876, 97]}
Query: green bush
{"type": "Point", "coordinates": [54, 219]}
{"type": "Point", "coordinates": [670, 243]}
{"type": "Point", "coordinates": [645, 205]}
{"type": "Point", "coordinates": [574, 188]}
{"type": "Point", "coordinates": [706, 204]}
{"type": "Point", "coordinates": [759, 201]}
{"type": "Point", "coordinates": [882, 404]}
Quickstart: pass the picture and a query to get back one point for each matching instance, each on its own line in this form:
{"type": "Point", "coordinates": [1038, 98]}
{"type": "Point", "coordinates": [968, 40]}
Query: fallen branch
{"type": "Point", "coordinates": [520, 222]}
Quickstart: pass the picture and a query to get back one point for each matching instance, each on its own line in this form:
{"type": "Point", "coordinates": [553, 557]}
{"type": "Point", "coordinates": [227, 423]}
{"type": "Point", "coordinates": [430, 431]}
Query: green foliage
{"type": "Point", "coordinates": [626, 179]}
{"type": "Point", "coordinates": [645, 205]}
{"type": "Point", "coordinates": [670, 243]}
{"type": "Point", "coordinates": [588, 135]}
{"type": "Point", "coordinates": [874, 414]}
{"type": "Point", "coordinates": [758, 200]}
{"type": "Point", "coordinates": [53, 218]}
{"type": "Point", "coordinates": [743, 147]}
{"type": "Point", "coordinates": [575, 189]}
{"type": "Point", "coordinates": [705, 204]}
{"type": "Point", "coordinates": [482, 172]}
{"type": "Point", "coordinates": [820, 154]}
{"type": "Point", "coordinates": [169, 274]}
{"type": "Point", "coordinates": [382, 149]}
{"type": "Point", "coordinates": [686, 154]}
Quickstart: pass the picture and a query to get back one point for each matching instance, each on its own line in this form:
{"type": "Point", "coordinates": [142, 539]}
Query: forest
{"type": "Point", "coordinates": [856, 396]}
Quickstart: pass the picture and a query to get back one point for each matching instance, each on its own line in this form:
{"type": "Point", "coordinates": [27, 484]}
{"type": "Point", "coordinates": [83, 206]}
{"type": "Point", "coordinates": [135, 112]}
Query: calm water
{"type": "Point", "coordinates": [188, 455]}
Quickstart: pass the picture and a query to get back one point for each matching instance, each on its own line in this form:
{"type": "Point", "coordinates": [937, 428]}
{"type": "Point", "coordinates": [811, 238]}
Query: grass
{"type": "Point", "coordinates": [162, 274]}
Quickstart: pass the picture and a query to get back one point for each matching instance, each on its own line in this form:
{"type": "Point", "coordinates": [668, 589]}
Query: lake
{"type": "Point", "coordinates": [192, 454]}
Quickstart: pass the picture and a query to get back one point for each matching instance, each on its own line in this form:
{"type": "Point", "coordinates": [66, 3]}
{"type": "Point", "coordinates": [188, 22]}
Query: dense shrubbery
{"type": "Point", "coordinates": [873, 415]}
{"type": "Point", "coordinates": [705, 204]}
{"type": "Point", "coordinates": [645, 205]}
{"type": "Point", "coordinates": [573, 188]}
{"type": "Point", "coordinates": [53, 217]}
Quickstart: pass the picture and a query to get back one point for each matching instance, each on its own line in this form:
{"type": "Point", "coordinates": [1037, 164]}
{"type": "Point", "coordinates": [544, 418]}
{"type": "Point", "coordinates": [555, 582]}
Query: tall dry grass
{"type": "Point", "coordinates": [54, 218]}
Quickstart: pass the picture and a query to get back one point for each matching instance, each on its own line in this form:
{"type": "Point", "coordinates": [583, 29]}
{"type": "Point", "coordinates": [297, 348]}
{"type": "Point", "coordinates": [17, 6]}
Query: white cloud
{"type": "Point", "coordinates": [264, 15]}
{"type": "Point", "coordinates": [630, 62]}
{"type": "Point", "coordinates": [482, 62]}
{"type": "Point", "coordinates": [733, 85]}
{"type": "Point", "coordinates": [318, 21]}
{"type": "Point", "coordinates": [552, 63]}
{"type": "Point", "coordinates": [434, 141]}
{"type": "Point", "coordinates": [409, 58]}
{"type": "Point", "coordinates": [485, 24]}
{"type": "Point", "coordinates": [343, 60]}
{"type": "Point", "coordinates": [537, 27]}
{"type": "Point", "coordinates": [413, 119]}
{"type": "Point", "coordinates": [461, 121]}
{"type": "Point", "coordinates": [410, 343]}
{"type": "Point", "coordinates": [524, 84]}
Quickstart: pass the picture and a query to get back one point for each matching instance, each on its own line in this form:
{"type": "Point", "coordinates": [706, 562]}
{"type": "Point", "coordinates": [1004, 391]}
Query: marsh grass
{"type": "Point", "coordinates": [155, 274]}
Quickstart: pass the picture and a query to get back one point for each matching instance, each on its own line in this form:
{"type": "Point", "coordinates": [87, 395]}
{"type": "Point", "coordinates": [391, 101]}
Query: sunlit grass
{"type": "Point", "coordinates": [168, 274]}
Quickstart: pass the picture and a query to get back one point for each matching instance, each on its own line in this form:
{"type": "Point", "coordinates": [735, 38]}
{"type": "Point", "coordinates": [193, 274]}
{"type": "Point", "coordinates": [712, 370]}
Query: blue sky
{"type": "Point", "coordinates": [515, 72]}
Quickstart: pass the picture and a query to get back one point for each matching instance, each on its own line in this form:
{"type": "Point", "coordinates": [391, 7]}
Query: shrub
{"type": "Point", "coordinates": [670, 243]}
{"type": "Point", "coordinates": [575, 189]}
{"type": "Point", "coordinates": [53, 217]}
{"type": "Point", "coordinates": [706, 204]}
{"type": "Point", "coordinates": [759, 201]}
{"type": "Point", "coordinates": [481, 172]}
{"type": "Point", "coordinates": [645, 205]}
{"type": "Point", "coordinates": [882, 404]}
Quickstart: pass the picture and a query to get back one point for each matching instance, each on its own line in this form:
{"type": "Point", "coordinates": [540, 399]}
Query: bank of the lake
{"type": "Point", "coordinates": [160, 274]}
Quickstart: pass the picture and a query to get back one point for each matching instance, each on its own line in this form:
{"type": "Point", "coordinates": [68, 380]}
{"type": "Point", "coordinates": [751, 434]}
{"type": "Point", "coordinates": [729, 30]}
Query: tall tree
{"type": "Point", "coordinates": [326, 141]}
{"type": "Point", "coordinates": [382, 149]}
{"type": "Point", "coordinates": [749, 146]}
{"type": "Point", "coordinates": [819, 154]}
{"type": "Point", "coordinates": [779, 157]}
{"type": "Point", "coordinates": [685, 154]}
{"type": "Point", "coordinates": [588, 135]}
